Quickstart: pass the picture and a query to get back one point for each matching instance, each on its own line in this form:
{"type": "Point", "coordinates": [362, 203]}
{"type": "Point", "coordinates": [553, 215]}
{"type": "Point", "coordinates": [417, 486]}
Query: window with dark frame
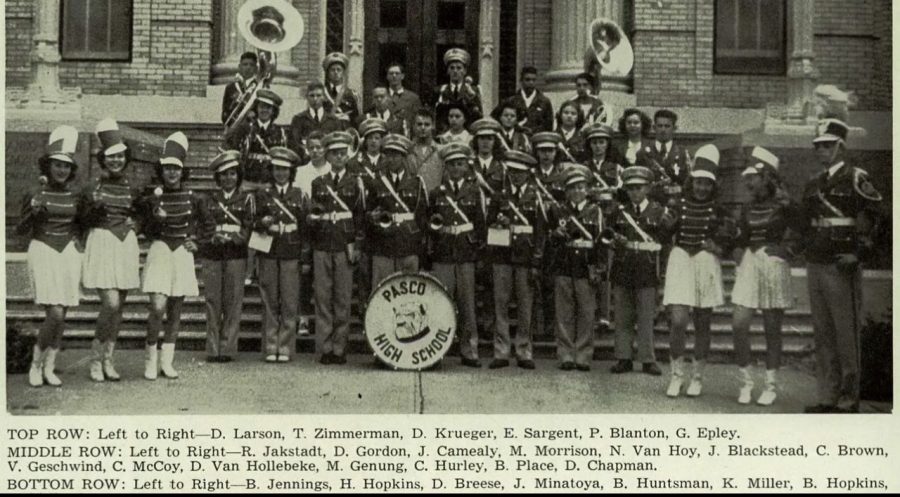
{"type": "Point", "coordinates": [750, 37]}
{"type": "Point", "coordinates": [96, 30]}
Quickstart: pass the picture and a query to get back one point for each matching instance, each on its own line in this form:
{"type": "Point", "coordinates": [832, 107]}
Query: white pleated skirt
{"type": "Point", "coordinates": [55, 276]}
{"type": "Point", "coordinates": [762, 282]}
{"type": "Point", "coordinates": [110, 263]}
{"type": "Point", "coordinates": [693, 280]}
{"type": "Point", "coordinates": [170, 272]}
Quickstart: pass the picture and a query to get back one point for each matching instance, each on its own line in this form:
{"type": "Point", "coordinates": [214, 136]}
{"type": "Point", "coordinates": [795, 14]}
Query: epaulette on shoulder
{"type": "Point", "coordinates": [863, 186]}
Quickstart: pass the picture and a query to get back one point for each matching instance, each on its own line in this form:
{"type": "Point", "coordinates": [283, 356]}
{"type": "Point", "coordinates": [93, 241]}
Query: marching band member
{"type": "Point", "coordinates": [456, 126]}
{"type": "Point", "coordinates": [169, 215]}
{"type": "Point", "coordinates": [339, 99]}
{"type": "Point", "coordinates": [513, 136]}
{"type": "Point", "coordinates": [840, 210]}
{"type": "Point", "coordinates": [456, 223]}
{"type": "Point", "coordinates": [51, 218]}
{"type": "Point", "coordinates": [255, 137]}
{"type": "Point", "coordinates": [398, 207]}
{"type": "Point", "coordinates": [336, 223]}
{"type": "Point", "coordinates": [667, 159]}
{"type": "Point", "coordinates": [569, 121]}
{"type": "Point", "coordinates": [575, 227]}
{"type": "Point", "coordinates": [460, 91]}
{"type": "Point", "coordinates": [280, 210]}
{"type": "Point", "coordinates": [635, 227]}
{"type": "Point", "coordinates": [606, 174]}
{"type": "Point", "coordinates": [763, 279]}
{"type": "Point", "coordinates": [517, 217]}
{"type": "Point", "coordinates": [247, 69]}
{"type": "Point", "coordinates": [635, 126]}
{"type": "Point", "coordinates": [693, 283]}
{"type": "Point", "coordinates": [488, 170]}
{"type": "Point", "coordinates": [224, 255]}
{"type": "Point", "coordinates": [111, 253]}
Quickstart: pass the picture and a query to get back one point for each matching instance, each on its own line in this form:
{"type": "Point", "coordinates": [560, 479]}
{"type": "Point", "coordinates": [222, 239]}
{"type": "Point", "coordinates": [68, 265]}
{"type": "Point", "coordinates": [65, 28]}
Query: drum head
{"type": "Point", "coordinates": [410, 321]}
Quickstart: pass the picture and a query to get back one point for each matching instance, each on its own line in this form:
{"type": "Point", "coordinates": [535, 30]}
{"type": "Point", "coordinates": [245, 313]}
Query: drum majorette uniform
{"type": "Point", "coordinates": [840, 207]}
{"type": "Point", "coordinates": [575, 230]}
{"type": "Point", "coordinates": [254, 139]}
{"type": "Point", "coordinates": [462, 93]}
{"type": "Point", "coordinates": [170, 218]}
{"type": "Point", "coordinates": [672, 165]}
{"type": "Point", "coordinates": [336, 224]}
{"type": "Point", "coordinates": [224, 261]}
{"type": "Point", "coordinates": [397, 215]}
{"type": "Point", "coordinates": [456, 228]}
{"type": "Point", "coordinates": [517, 218]}
{"type": "Point", "coordinates": [763, 279]}
{"type": "Point", "coordinates": [693, 270]}
{"type": "Point", "coordinates": [111, 256]}
{"type": "Point", "coordinates": [280, 211]}
{"type": "Point", "coordinates": [637, 230]}
{"type": "Point", "coordinates": [52, 220]}
{"type": "Point", "coordinates": [340, 99]}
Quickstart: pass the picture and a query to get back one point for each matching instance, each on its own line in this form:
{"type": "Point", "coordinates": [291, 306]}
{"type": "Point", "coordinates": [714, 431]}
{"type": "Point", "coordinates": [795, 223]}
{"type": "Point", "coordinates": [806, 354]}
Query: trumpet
{"type": "Point", "coordinates": [436, 222]}
{"type": "Point", "coordinates": [382, 218]}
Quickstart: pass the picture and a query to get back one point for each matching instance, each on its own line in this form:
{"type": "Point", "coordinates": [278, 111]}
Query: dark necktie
{"type": "Point", "coordinates": [664, 150]}
{"type": "Point", "coordinates": [334, 178]}
{"type": "Point", "coordinates": [455, 92]}
{"type": "Point", "coordinates": [637, 210]}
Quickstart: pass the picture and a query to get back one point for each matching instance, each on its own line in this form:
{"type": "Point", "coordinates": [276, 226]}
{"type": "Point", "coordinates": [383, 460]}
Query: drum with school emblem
{"type": "Point", "coordinates": [410, 321]}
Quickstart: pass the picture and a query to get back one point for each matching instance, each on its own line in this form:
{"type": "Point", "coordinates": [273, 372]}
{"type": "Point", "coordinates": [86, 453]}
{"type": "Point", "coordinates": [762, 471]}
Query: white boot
{"type": "Point", "coordinates": [109, 369]}
{"type": "Point", "coordinates": [35, 374]}
{"type": "Point", "coordinates": [696, 385]}
{"type": "Point", "coordinates": [96, 360]}
{"type": "Point", "coordinates": [767, 397]}
{"type": "Point", "coordinates": [746, 385]}
{"type": "Point", "coordinates": [677, 377]}
{"type": "Point", "coordinates": [166, 356]}
{"type": "Point", "coordinates": [49, 366]}
{"type": "Point", "coordinates": [151, 363]}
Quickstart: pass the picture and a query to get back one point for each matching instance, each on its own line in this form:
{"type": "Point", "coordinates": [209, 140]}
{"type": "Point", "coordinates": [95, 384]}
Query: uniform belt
{"type": "Point", "coordinates": [647, 246]}
{"type": "Point", "coordinates": [256, 156]}
{"type": "Point", "coordinates": [403, 216]}
{"type": "Point", "coordinates": [333, 216]}
{"type": "Point", "coordinates": [521, 229]}
{"type": "Point", "coordinates": [580, 244]}
{"type": "Point", "coordinates": [833, 222]}
{"type": "Point", "coordinates": [672, 189]}
{"type": "Point", "coordinates": [228, 228]}
{"type": "Point", "coordinates": [287, 228]}
{"type": "Point", "coordinates": [457, 229]}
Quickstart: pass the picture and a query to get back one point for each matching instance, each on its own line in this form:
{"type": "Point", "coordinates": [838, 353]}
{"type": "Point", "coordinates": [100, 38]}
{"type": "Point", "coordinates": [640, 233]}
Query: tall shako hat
{"type": "Point", "coordinates": [831, 130]}
{"type": "Point", "coordinates": [110, 137]}
{"type": "Point", "coordinates": [760, 159]}
{"type": "Point", "coordinates": [175, 149]}
{"type": "Point", "coordinates": [62, 144]}
{"type": "Point", "coordinates": [706, 162]}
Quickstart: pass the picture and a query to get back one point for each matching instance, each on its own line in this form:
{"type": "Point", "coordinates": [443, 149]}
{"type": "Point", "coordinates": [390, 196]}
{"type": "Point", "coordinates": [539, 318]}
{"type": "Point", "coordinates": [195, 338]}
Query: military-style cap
{"type": "Point", "coordinates": [175, 150]}
{"type": "Point", "coordinates": [597, 130]}
{"type": "Point", "coordinates": [831, 130]}
{"type": "Point", "coordinates": [515, 159]}
{"type": "Point", "coordinates": [456, 55]}
{"type": "Point", "coordinates": [336, 140]}
{"type": "Point", "coordinates": [397, 142]}
{"type": "Point", "coordinates": [485, 126]}
{"type": "Point", "coordinates": [226, 160]}
{"type": "Point", "coordinates": [760, 159]}
{"type": "Point", "coordinates": [372, 125]}
{"type": "Point", "coordinates": [575, 176]}
{"type": "Point", "coordinates": [706, 162]}
{"type": "Point", "coordinates": [454, 151]}
{"type": "Point", "coordinates": [637, 175]}
{"type": "Point", "coordinates": [334, 58]}
{"type": "Point", "coordinates": [284, 157]}
{"type": "Point", "coordinates": [546, 139]}
{"type": "Point", "coordinates": [268, 96]}
{"type": "Point", "coordinates": [110, 137]}
{"type": "Point", "coordinates": [62, 144]}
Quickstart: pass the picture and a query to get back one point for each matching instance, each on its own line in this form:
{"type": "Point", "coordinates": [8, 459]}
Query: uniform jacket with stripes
{"type": "Point", "coordinates": [181, 218]}
{"type": "Point", "coordinates": [110, 206]}
{"type": "Point", "coordinates": [53, 215]}
{"type": "Point", "coordinates": [691, 223]}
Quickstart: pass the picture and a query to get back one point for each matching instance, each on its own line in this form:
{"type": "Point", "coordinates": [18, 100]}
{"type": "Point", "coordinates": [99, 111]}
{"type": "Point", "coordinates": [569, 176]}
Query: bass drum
{"type": "Point", "coordinates": [410, 321]}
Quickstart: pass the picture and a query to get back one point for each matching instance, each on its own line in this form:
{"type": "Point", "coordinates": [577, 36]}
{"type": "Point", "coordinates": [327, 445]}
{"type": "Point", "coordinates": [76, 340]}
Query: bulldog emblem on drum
{"type": "Point", "coordinates": [410, 321]}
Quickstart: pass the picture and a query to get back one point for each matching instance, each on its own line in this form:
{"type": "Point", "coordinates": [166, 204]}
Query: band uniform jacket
{"type": "Point", "coordinates": [494, 176]}
{"type": "Point", "coordinates": [575, 253]}
{"type": "Point", "coordinates": [240, 206]}
{"type": "Point", "coordinates": [333, 228]}
{"type": "Point", "coordinates": [344, 104]}
{"type": "Point", "coordinates": [515, 140]}
{"type": "Point", "coordinates": [395, 121]}
{"type": "Point", "coordinates": [538, 115]}
{"type": "Point", "coordinates": [231, 97]}
{"type": "Point", "coordinates": [690, 223]}
{"type": "Point", "coordinates": [468, 96]}
{"type": "Point", "coordinates": [605, 184]}
{"type": "Point", "coordinates": [428, 164]}
{"type": "Point", "coordinates": [553, 182]}
{"type": "Point", "coordinates": [361, 165]}
{"type": "Point", "coordinates": [404, 235]}
{"type": "Point", "coordinates": [305, 123]}
{"type": "Point", "coordinates": [53, 215]}
{"type": "Point", "coordinates": [405, 104]}
{"type": "Point", "coordinates": [632, 265]}
{"type": "Point", "coordinates": [675, 163]}
{"type": "Point", "coordinates": [527, 236]}
{"type": "Point", "coordinates": [840, 228]}
{"type": "Point", "coordinates": [254, 142]}
{"type": "Point", "coordinates": [174, 216]}
{"type": "Point", "coordinates": [110, 206]}
{"type": "Point", "coordinates": [454, 240]}
{"type": "Point", "coordinates": [576, 146]}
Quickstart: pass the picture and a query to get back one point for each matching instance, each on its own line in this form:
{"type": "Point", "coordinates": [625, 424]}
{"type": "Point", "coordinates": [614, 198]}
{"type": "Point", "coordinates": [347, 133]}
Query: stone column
{"type": "Point", "coordinates": [570, 22]}
{"type": "Point", "coordinates": [233, 45]}
{"type": "Point", "coordinates": [487, 56]}
{"type": "Point", "coordinates": [355, 19]}
{"type": "Point", "coordinates": [802, 73]}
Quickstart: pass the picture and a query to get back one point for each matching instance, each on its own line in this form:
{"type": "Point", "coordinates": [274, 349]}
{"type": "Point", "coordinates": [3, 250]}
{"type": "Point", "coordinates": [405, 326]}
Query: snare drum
{"type": "Point", "coordinates": [410, 321]}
